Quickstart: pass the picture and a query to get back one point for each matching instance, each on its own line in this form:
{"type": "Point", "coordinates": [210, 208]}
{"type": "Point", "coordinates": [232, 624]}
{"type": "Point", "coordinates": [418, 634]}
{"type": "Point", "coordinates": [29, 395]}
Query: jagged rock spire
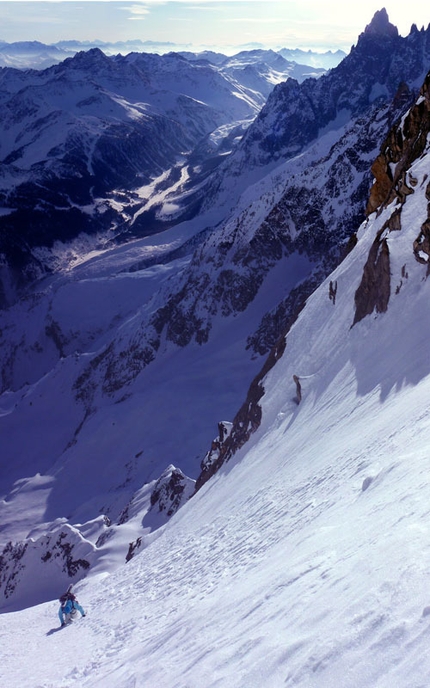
{"type": "Point", "coordinates": [381, 26]}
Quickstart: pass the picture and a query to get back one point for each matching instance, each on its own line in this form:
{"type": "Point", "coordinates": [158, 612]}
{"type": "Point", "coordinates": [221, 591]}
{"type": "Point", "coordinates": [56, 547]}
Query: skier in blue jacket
{"type": "Point", "coordinates": [68, 603]}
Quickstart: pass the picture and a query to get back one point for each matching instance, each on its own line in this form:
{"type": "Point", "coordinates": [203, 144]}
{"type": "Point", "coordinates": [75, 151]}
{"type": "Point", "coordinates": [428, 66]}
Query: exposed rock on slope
{"type": "Point", "coordinates": [374, 290]}
{"type": "Point", "coordinates": [404, 144]}
{"type": "Point", "coordinates": [172, 490]}
{"type": "Point", "coordinates": [247, 420]}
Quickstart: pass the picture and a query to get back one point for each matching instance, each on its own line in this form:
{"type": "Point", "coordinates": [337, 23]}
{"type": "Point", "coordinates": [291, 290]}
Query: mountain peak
{"type": "Point", "coordinates": [86, 58]}
{"type": "Point", "coordinates": [381, 26]}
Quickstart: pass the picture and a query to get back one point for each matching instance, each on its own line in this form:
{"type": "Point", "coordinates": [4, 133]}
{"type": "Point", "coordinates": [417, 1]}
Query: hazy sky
{"type": "Point", "coordinates": [319, 24]}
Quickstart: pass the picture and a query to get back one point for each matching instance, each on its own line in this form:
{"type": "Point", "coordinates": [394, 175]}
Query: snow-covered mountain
{"type": "Point", "coordinates": [303, 561]}
{"type": "Point", "coordinates": [121, 363]}
{"type": "Point", "coordinates": [326, 60]}
{"type": "Point", "coordinates": [261, 70]}
{"type": "Point", "coordinates": [36, 55]}
{"type": "Point", "coordinates": [83, 141]}
{"type": "Point", "coordinates": [95, 144]}
{"type": "Point", "coordinates": [30, 55]}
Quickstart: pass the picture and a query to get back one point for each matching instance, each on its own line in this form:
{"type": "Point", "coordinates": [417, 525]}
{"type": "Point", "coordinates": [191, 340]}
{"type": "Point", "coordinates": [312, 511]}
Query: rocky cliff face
{"type": "Point", "coordinates": [404, 144]}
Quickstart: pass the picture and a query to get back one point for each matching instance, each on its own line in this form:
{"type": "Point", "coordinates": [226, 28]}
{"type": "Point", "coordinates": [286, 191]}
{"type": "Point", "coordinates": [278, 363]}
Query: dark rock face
{"type": "Point", "coordinates": [422, 242]}
{"type": "Point", "coordinates": [375, 287]}
{"type": "Point", "coordinates": [404, 144]}
{"type": "Point", "coordinates": [10, 566]}
{"type": "Point", "coordinates": [171, 490]}
{"type": "Point", "coordinates": [245, 423]}
{"type": "Point", "coordinates": [63, 549]}
{"type": "Point", "coordinates": [381, 26]}
{"type": "Point", "coordinates": [133, 549]}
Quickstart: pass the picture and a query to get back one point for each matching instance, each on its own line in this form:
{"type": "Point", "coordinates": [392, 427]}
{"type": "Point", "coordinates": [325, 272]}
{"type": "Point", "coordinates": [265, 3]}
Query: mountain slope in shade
{"type": "Point", "coordinates": [82, 142]}
{"type": "Point", "coordinates": [303, 561]}
{"type": "Point", "coordinates": [296, 114]}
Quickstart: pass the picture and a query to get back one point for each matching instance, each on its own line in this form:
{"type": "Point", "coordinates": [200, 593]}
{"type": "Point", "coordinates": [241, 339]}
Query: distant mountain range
{"type": "Point", "coordinates": [36, 55]}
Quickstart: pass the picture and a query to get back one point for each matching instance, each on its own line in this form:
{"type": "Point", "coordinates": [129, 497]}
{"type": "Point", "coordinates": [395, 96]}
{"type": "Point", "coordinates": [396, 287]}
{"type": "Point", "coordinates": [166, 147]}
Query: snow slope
{"type": "Point", "coordinates": [304, 560]}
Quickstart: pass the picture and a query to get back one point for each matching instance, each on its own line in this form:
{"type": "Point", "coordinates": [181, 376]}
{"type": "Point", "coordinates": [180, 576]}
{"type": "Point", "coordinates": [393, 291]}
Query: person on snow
{"type": "Point", "coordinates": [68, 603]}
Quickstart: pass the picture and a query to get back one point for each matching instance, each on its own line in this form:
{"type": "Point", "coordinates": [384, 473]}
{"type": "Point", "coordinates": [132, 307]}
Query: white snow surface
{"type": "Point", "coordinates": [304, 562]}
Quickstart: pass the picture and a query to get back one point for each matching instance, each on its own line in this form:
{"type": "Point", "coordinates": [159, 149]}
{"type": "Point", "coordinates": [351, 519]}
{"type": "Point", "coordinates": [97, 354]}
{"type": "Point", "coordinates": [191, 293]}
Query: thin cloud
{"type": "Point", "coordinates": [140, 10]}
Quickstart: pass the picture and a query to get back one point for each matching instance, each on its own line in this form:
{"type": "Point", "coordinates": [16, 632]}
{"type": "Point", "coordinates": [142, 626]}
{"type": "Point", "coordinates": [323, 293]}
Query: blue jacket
{"type": "Point", "coordinates": [67, 608]}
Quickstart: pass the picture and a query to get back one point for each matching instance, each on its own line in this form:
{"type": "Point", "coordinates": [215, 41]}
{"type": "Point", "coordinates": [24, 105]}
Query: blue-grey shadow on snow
{"type": "Point", "coordinates": [55, 630]}
{"type": "Point", "coordinates": [391, 353]}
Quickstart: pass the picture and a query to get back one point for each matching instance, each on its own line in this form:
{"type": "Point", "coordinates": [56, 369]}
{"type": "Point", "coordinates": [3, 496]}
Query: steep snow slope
{"type": "Point", "coordinates": [303, 561]}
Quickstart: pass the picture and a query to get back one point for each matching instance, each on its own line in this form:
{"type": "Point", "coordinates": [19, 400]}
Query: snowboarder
{"type": "Point", "coordinates": [69, 605]}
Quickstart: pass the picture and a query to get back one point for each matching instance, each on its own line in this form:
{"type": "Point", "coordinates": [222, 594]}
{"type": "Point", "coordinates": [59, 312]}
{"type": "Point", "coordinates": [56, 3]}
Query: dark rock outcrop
{"type": "Point", "coordinates": [403, 145]}
{"type": "Point", "coordinates": [172, 489]}
{"type": "Point", "coordinates": [422, 242]}
{"type": "Point", "coordinates": [375, 287]}
{"type": "Point", "coordinates": [245, 423]}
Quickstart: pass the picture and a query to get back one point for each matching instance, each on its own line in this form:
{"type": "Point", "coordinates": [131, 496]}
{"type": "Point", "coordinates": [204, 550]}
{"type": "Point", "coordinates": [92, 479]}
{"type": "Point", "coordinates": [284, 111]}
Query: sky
{"type": "Point", "coordinates": [204, 23]}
